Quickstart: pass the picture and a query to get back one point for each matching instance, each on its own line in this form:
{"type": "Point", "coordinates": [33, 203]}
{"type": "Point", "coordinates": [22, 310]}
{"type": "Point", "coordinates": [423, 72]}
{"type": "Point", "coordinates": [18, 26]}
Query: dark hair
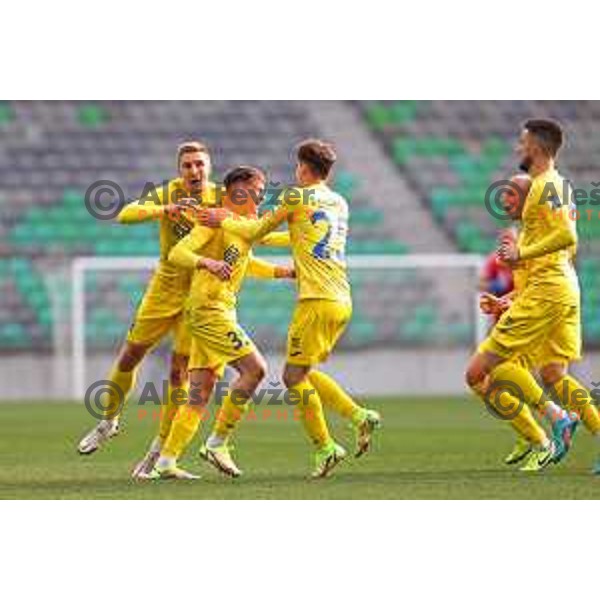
{"type": "Point", "coordinates": [191, 146]}
{"type": "Point", "coordinates": [242, 173]}
{"type": "Point", "coordinates": [319, 156]}
{"type": "Point", "coordinates": [549, 134]}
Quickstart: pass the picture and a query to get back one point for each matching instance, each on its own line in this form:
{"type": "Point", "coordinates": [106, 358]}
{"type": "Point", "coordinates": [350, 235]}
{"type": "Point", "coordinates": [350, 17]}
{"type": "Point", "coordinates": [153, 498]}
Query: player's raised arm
{"type": "Point", "coordinates": [263, 269]}
{"type": "Point", "coordinates": [249, 229]}
{"type": "Point", "coordinates": [276, 239]}
{"type": "Point", "coordinates": [149, 209]}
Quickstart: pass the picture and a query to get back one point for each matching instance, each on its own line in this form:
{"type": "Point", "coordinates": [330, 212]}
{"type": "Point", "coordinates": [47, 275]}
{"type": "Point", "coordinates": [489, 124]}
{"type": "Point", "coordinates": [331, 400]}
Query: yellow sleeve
{"type": "Point", "coordinates": [185, 252]}
{"type": "Point", "coordinates": [276, 239]}
{"type": "Point", "coordinates": [261, 269]}
{"type": "Point", "coordinates": [255, 229]}
{"type": "Point", "coordinates": [561, 234]}
{"type": "Point", "coordinates": [147, 208]}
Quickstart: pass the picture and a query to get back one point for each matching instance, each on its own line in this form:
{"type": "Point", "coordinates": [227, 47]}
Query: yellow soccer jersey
{"type": "Point", "coordinates": [166, 293]}
{"type": "Point", "coordinates": [548, 239]}
{"type": "Point", "coordinates": [317, 220]}
{"type": "Point", "coordinates": [171, 229]}
{"type": "Point", "coordinates": [207, 291]}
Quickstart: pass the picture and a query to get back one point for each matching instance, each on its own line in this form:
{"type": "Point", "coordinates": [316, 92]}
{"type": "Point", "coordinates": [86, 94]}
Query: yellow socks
{"type": "Point", "coordinates": [311, 413]}
{"type": "Point", "coordinates": [531, 392]}
{"type": "Point", "coordinates": [183, 429]}
{"type": "Point", "coordinates": [333, 396]}
{"type": "Point", "coordinates": [230, 414]}
{"type": "Point", "coordinates": [575, 396]}
{"type": "Point", "coordinates": [177, 396]}
{"type": "Point", "coordinates": [520, 418]}
{"type": "Point", "coordinates": [124, 380]}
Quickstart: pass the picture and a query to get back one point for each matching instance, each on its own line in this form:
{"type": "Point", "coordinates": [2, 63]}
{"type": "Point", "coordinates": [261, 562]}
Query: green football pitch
{"type": "Point", "coordinates": [428, 448]}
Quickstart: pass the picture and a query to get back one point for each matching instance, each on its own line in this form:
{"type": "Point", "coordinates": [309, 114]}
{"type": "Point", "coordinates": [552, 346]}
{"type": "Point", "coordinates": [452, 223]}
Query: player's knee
{"type": "Point", "coordinates": [257, 369]}
{"type": "Point", "coordinates": [176, 377]}
{"type": "Point", "coordinates": [130, 357]}
{"type": "Point", "coordinates": [552, 373]}
{"type": "Point", "coordinates": [292, 376]}
{"type": "Point", "coordinates": [474, 375]}
{"type": "Point", "coordinates": [178, 373]}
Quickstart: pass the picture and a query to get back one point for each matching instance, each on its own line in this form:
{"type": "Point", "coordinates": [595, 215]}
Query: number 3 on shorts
{"type": "Point", "coordinates": [237, 338]}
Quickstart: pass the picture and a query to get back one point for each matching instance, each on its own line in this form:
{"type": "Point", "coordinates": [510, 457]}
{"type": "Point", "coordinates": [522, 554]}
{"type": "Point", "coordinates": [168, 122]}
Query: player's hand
{"type": "Point", "coordinates": [212, 217]}
{"type": "Point", "coordinates": [508, 251]}
{"type": "Point", "coordinates": [488, 303]}
{"type": "Point", "coordinates": [217, 267]}
{"type": "Point", "coordinates": [285, 273]}
{"type": "Point", "coordinates": [504, 303]}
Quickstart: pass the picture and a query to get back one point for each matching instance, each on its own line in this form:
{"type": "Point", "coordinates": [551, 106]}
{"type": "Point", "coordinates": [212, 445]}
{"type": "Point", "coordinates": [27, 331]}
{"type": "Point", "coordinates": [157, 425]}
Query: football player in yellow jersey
{"type": "Point", "coordinates": [217, 339]}
{"type": "Point", "coordinates": [317, 219]}
{"type": "Point", "coordinates": [546, 312]}
{"type": "Point", "coordinates": [161, 309]}
{"type": "Point", "coordinates": [549, 362]}
{"type": "Point", "coordinates": [496, 306]}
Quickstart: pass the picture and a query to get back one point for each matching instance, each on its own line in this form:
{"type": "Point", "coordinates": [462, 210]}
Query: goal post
{"type": "Point", "coordinates": [429, 266]}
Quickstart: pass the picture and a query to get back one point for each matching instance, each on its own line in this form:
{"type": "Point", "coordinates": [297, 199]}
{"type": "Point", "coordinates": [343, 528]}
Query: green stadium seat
{"type": "Point", "coordinates": [345, 184]}
{"type": "Point", "coordinates": [378, 115]}
{"type": "Point", "coordinates": [14, 335]}
{"type": "Point", "coordinates": [6, 113]}
{"type": "Point", "coordinates": [92, 115]}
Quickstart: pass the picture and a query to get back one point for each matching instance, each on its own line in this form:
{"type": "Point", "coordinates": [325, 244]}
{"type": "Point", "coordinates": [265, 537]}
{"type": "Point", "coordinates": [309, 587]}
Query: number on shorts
{"type": "Point", "coordinates": [235, 339]}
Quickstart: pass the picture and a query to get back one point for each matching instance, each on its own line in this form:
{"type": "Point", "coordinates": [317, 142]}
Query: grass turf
{"type": "Point", "coordinates": [429, 448]}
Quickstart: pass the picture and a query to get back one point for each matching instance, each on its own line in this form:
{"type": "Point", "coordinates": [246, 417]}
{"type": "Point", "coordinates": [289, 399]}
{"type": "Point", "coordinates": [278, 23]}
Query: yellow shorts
{"type": "Point", "coordinates": [161, 311]}
{"type": "Point", "coordinates": [149, 331]}
{"type": "Point", "coordinates": [538, 331]}
{"type": "Point", "coordinates": [217, 339]}
{"type": "Point", "coordinates": [315, 329]}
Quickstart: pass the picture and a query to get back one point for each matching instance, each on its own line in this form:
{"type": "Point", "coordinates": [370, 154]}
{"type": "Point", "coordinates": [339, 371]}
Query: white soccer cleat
{"type": "Point", "coordinates": [167, 473]}
{"type": "Point", "coordinates": [100, 434]}
{"type": "Point", "coordinates": [220, 458]}
{"type": "Point", "coordinates": [144, 467]}
{"type": "Point", "coordinates": [364, 431]}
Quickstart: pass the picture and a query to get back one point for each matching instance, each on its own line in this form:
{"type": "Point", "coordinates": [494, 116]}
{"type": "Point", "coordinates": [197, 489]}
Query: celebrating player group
{"type": "Point", "coordinates": [206, 252]}
{"type": "Point", "coordinates": [207, 235]}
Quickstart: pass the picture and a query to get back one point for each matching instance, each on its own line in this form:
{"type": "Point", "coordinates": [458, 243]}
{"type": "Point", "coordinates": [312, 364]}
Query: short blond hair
{"type": "Point", "coordinates": [191, 146]}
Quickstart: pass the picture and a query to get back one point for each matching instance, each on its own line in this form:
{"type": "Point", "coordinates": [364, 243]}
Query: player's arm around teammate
{"type": "Point", "coordinates": [217, 338]}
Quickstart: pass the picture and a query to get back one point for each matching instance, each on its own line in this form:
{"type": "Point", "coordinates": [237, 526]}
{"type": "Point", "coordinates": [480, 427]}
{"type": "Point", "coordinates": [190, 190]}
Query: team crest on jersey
{"type": "Point", "coordinates": [231, 255]}
{"type": "Point", "coordinates": [181, 228]}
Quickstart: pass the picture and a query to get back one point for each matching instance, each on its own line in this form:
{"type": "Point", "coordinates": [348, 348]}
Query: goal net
{"type": "Point", "coordinates": [412, 314]}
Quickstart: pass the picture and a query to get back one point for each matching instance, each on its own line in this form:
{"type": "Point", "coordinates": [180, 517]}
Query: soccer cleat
{"type": "Point", "coordinates": [100, 434]}
{"type": "Point", "coordinates": [563, 431]}
{"type": "Point", "coordinates": [146, 465]}
{"type": "Point", "coordinates": [327, 459]}
{"type": "Point", "coordinates": [220, 458]}
{"type": "Point", "coordinates": [168, 473]}
{"type": "Point", "coordinates": [539, 459]}
{"type": "Point", "coordinates": [364, 430]}
{"type": "Point", "coordinates": [520, 451]}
